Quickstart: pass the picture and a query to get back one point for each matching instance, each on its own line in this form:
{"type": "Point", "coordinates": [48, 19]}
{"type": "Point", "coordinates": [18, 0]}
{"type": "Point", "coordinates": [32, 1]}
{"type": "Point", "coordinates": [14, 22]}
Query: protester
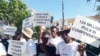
{"type": "Point", "coordinates": [55, 39]}
{"type": "Point", "coordinates": [2, 48]}
{"type": "Point", "coordinates": [44, 48]}
{"type": "Point", "coordinates": [4, 40]}
{"type": "Point", "coordinates": [41, 30]}
{"type": "Point", "coordinates": [69, 47]}
{"type": "Point", "coordinates": [30, 45]}
{"type": "Point", "coordinates": [17, 35]}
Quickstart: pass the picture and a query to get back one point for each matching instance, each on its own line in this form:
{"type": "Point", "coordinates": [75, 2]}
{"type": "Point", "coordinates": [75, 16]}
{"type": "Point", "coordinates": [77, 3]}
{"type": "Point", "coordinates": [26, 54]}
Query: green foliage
{"type": "Point", "coordinates": [14, 11]}
{"type": "Point", "coordinates": [36, 35]}
{"type": "Point", "coordinates": [98, 0]}
{"type": "Point", "coordinates": [98, 7]}
{"type": "Point", "coordinates": [36, 32]}
{"type": "Point", "coordinates": [3, 8]}
{"type": "Point", "coordinates": [95, 0]}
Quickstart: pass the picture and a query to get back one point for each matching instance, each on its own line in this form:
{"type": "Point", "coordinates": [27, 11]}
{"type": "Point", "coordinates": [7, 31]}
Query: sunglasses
{"type": "Point", "coordinates": [45, 38]}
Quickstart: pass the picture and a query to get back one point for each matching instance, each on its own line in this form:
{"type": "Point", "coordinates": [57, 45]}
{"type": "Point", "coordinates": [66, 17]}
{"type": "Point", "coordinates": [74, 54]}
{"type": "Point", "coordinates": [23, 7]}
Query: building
{"type": "Point", "coordinates": [96, 18]}
{"type": "Point", "coordinates": [69, 22]}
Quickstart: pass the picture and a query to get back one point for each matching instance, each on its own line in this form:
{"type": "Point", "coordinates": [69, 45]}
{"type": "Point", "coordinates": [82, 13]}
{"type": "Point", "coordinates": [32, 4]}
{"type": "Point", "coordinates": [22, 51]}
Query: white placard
{"type": "Point", "coordinates": [16, 48]}
{"type": "Point", "coordinates": [28, 22]}
{"type": "Point", "coordinates": [42, 19]}
{"type": "Point", "coordinates": [9, 30]}
{"type": "Point", "coordinates": [86, 30]}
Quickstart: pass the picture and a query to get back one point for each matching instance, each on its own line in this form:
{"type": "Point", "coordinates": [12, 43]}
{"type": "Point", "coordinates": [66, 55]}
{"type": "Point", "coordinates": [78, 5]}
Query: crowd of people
{"type": "Point", "coordinates": [50, 43]}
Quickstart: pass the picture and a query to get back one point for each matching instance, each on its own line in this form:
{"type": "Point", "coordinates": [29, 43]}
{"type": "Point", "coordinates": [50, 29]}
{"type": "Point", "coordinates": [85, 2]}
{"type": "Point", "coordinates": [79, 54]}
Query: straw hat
{"type": "Point", "coordinates": [28, 32]}
{"type": "Point", "coordinates": [65, 29]}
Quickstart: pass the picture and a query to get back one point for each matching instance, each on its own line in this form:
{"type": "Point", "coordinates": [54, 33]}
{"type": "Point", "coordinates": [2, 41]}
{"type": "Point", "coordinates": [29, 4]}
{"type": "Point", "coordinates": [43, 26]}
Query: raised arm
{"type": "Point", "coordinates": [41, 30]}
{"type": "Point", "coordinates": [81, 49]}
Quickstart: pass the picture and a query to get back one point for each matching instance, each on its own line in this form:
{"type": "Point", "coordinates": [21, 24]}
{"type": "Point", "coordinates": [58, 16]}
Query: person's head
{"type": "Point", "coordinates": [27, 33]}
{"type": "Point", "coordinates": [65, 36]}
{"type": "Point", "coordinates": [18, 34]}
{"type": "Point", "coordinates": [54, 31]}
{"type": "Point", "coordinates": [45, 37]}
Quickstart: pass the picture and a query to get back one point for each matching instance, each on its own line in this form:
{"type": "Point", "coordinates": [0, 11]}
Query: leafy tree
{"type": "Point", "coordinates": [3, 9]}
{"type": "Point", "coordinates": [13, 11]}
{"type": "Point", "coordinates": [98, 7]}
{"type": "Point", "coordinates": [36, 32]}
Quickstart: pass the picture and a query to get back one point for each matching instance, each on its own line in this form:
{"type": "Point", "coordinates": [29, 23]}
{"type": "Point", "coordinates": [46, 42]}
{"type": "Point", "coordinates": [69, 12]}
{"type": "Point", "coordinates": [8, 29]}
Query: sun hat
{"type": "Point", "coordinates": [28, 32]}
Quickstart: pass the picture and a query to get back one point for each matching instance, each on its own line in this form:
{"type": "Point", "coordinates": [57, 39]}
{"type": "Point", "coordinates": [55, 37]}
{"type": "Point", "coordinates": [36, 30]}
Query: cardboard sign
{"type": "Point", "coordinates": [86, 30]}
{"type": "Point", "coordinates": [42, 19]}
{"type": "Point", "coordinates": [28, 22]}
{"type": "Point", "coordinates": [16, 48]}
{"type": "Point", "coordinates": [9, 30]}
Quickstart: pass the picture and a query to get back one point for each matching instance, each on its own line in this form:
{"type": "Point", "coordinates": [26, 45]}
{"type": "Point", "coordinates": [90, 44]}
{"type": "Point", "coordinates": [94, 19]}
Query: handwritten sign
{"type": "Point", "coordinates": [42, 19]}
{"type": "Point", "coordinates": [86, 30]}
{"type": "Point", "coordinates": [16, 48]}
{"type": "Point", "coordinates": [9, 30]}
{"type": "Point", "coordinates": [28, 22]}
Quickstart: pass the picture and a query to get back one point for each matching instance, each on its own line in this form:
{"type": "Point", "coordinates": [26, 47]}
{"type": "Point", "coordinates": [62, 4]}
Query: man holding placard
{"type": "Point", "coordinates": [69, 47]}
{"type": "Point", "coordinates": [30, 49]}
{"type": "Point", "coordinates": [25, 46]}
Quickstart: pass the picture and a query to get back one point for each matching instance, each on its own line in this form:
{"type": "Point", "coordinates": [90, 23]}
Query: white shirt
{"type": "Point", "coordinates": [55, 41]}
{"type": "Point", "coordinates": [70, 49]}
{"type": "Point", "coordinates": [2, 49]}
{"type": "Point", "coordinates": [99, 54]}
{"type": "Point", "coordinates": [30, 47]}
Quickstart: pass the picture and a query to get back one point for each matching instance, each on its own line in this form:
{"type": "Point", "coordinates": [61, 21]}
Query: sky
{"type": "Point", "coordinates": [72, 8]}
